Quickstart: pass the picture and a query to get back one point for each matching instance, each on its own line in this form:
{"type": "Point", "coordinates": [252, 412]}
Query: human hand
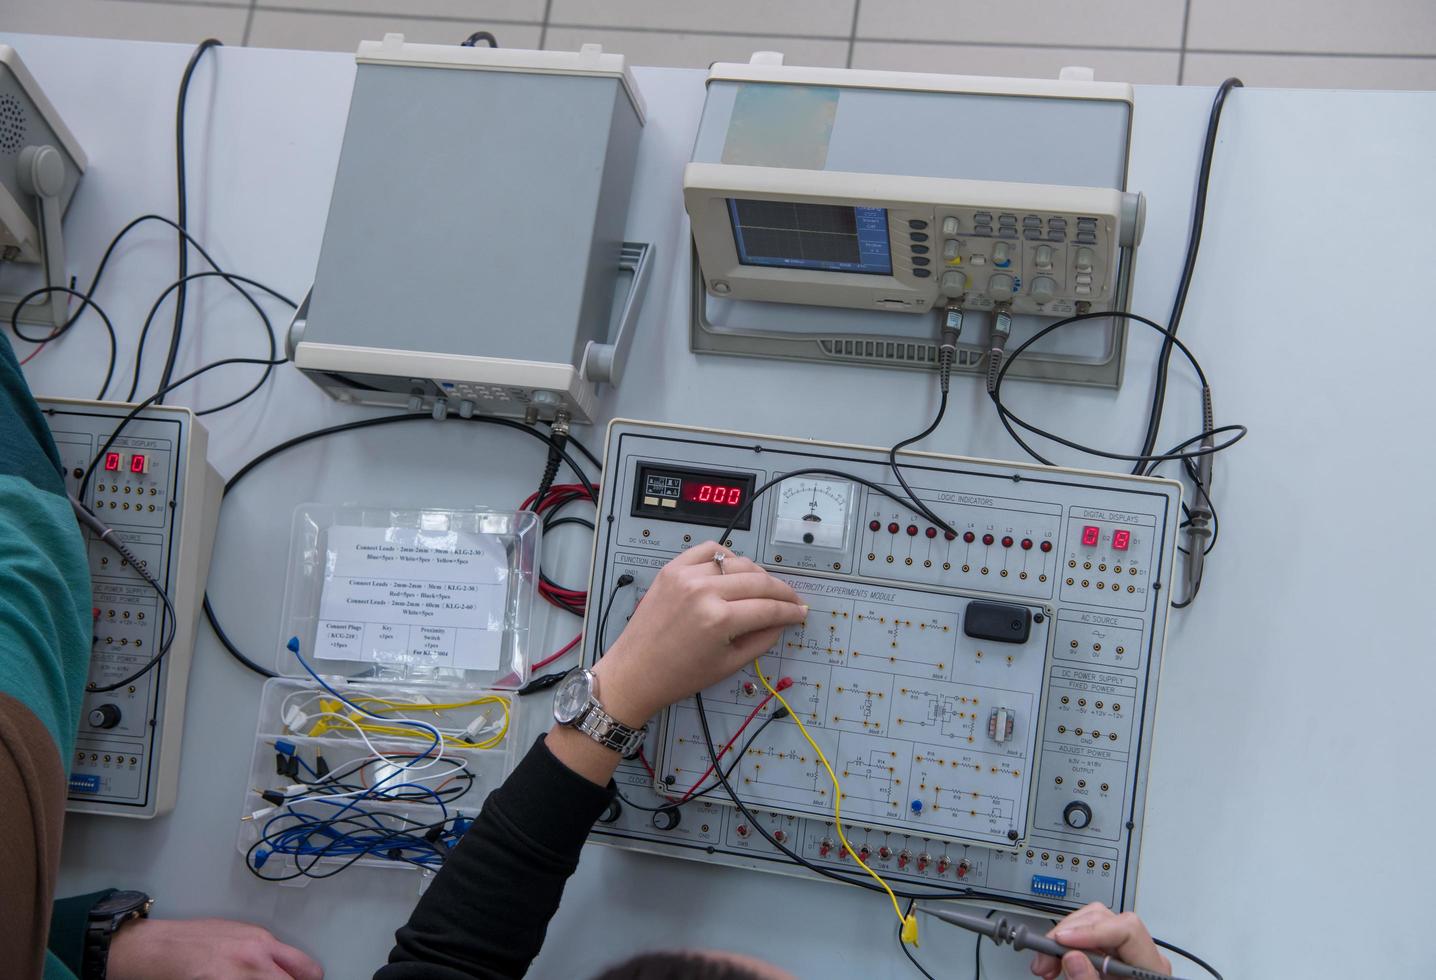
{"type": "Point", "coordinates": [694, 627]}
{"type": "Point", "coordinates": [200, 949]}
{"type": "Point", "coordinates": [1097, 928]}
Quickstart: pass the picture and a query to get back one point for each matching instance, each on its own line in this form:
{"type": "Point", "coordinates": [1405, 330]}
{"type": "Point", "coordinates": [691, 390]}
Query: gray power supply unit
{"type": "Point", "coordinates": [473, 259]}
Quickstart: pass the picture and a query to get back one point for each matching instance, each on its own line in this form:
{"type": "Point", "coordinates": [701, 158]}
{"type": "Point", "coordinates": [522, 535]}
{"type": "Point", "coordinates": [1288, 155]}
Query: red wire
{"type": "Point", "coordinates": [783, 684]}
{"type": "Point", "coordinates": [557, 595]}
{"type": "Point", "coordinates": [554, 656]}
{"type": "Point", "coordinates": [28, 357]}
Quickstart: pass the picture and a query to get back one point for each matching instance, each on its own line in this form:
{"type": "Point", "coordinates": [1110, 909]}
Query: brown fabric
{"type": "Point", "coordinates": [32, 811]}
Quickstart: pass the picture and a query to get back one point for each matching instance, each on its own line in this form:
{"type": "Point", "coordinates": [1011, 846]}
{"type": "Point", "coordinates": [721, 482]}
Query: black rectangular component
{"type": "Point", "coordinates": [997, 621]}
{"type": "Point", "coordinates": [691, 496]}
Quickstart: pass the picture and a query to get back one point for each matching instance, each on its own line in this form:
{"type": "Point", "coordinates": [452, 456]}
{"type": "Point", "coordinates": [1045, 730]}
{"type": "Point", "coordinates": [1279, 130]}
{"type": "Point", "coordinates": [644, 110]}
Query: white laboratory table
{"type": "Point", "coordinates": [1291, 768]}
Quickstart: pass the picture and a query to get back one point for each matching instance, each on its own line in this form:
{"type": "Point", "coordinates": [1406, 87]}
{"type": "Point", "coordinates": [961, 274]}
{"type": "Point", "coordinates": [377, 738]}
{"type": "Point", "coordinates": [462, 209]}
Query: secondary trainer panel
{"type": "Point", "coordinates": [985, 694]}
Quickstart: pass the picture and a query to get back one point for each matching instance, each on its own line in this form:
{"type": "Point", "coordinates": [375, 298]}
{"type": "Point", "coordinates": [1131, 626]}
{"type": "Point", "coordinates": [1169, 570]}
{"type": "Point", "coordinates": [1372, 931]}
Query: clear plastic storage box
{"type": "Point", "coordinates": [403, 640]}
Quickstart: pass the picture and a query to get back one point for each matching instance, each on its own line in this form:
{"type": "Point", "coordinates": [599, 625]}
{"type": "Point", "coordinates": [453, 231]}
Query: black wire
{"type": "Point", "coordinates": [60, 331]}
{"type": "Point", "coordinates": [119, 427]}
{"type": "Point", "coordinates": [977, 952]}
{"type": "Point", "coordinates": [473, 39]}
{"type": "Point", "coordinates": [234, 280]}
{"type": "Point", "coordinates": [916, 504]}
{"type": "Point", "coordinates": [738, 756]}
{"type": "Point", "coordinates": [308, 437]}
{"type": "Point", "coordinates": [182, 210]}
{"type": "Point", "coordinates": [1009, 418]}
{"type": "Point", "coordinates": [1174, 948]}
{"type": "Point", "coordinates": [1189, 264]}
{"type": "Point", "coordinates": [904, 946]}
{"type": "Point", "coordinates": [587, 453]}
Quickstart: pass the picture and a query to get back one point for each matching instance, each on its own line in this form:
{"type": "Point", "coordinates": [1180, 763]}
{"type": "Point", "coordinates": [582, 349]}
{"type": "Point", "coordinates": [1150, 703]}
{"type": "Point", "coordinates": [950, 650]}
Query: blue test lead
{"type": "Point", "coordinates": [1020, 936]}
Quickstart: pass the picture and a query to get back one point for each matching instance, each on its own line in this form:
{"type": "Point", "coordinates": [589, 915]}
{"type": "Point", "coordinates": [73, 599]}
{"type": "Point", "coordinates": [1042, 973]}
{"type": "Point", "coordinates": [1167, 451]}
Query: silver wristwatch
{"type": "Point", "coordinates": [576, 705]}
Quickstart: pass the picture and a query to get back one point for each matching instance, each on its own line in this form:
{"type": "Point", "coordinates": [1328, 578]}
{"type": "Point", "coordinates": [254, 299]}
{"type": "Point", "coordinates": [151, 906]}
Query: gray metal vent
{"type": "Point", "coordinates": [12, 124]}
{"type": "Point", "coordinates": [897, 352]}
{"type": "Point", "coordinates": [894, 353]}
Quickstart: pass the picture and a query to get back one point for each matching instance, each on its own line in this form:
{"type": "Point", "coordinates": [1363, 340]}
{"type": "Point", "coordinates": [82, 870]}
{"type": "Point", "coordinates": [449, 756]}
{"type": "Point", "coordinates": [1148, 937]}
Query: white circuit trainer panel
{"type": "Point", "coordinates": [158, 492]}
{"type": "Point", "coordinates": [986, 697]}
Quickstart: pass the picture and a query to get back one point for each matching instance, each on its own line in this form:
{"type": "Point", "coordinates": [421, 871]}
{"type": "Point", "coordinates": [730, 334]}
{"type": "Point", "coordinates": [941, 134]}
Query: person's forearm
{"type": "Point", "coordinates": [487, 911]}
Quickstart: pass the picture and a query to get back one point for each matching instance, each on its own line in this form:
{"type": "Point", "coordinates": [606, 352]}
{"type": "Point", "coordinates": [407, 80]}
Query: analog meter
{"type": "Point", "coordinates": [813, 512]}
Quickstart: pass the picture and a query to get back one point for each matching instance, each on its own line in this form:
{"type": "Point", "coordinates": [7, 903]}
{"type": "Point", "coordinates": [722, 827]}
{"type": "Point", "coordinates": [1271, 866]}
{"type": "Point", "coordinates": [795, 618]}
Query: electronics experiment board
{"type": "Point", "coordinates": [158, 492]}
{"type": "Point", "coordinates": [987, 700]}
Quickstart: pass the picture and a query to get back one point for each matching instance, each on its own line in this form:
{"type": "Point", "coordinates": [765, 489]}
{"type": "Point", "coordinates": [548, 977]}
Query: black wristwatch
{"type": "Point", "coordinates": [107, 915]}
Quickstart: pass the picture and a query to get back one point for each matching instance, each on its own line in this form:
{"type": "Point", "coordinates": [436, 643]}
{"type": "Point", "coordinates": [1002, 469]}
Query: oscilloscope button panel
{"type": "Point", "coordinates": [1012, 768]}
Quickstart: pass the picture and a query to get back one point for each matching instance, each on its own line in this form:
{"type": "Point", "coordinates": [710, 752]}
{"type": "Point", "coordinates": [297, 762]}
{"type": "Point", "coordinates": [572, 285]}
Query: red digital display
{"type": "Point", "coordinates": [112, 462]}
{"type": "Point", "coordinates": [1091, 534]}
{"type": "Point", "coordinates": [1121, 540]}
{"type": "Point", "coordinates": [138, 463]}
{"type": "Point", "coordinates": [711, 493]}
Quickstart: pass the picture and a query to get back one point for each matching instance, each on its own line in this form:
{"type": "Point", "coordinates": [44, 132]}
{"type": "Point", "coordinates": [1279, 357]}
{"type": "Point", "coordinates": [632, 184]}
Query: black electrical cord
{"type": "Point", "coordinates": [916, 504]}
{"type": "Point", "coordinates": [1174, 948]}
{"type": "Point", "coordinates": [308, 437]}
{"type": "Point", "coordinates": [182, 210]}
{"type": "Point", "coordinates": [782, 712]}
{"type": "Point", "coordinates": [1189, 265]}
{"type": "Point", "coordinates": [473, 39]}
{"type": "Point", "coordinates": [976, 951]}
{"type": "Point", "coordinates": [60, 331]}
{"type": "Point", "coordinates": [130, 416]}
{"type": "Point", "coordinates": [904, 946]}
{"type": "Point", "coordinates": [1009, 418]}
{"type": "Point", "coordinates": [587, 453]}
{"type": "Point", "coordinates": [234, 280]}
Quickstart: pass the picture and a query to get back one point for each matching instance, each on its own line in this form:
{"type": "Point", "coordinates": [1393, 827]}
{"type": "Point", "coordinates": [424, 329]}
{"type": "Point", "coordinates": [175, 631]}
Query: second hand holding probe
{"type": "Point", "coordinates": [1000, 931]}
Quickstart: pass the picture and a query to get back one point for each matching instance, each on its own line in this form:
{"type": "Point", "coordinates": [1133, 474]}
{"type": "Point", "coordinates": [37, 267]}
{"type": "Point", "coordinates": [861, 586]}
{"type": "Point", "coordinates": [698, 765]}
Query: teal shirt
{"type": "Point", "coordinates": [45, 603]}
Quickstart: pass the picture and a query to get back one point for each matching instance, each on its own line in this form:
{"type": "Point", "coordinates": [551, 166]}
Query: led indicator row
{"type": "Point", "coordinates": [969, 537]}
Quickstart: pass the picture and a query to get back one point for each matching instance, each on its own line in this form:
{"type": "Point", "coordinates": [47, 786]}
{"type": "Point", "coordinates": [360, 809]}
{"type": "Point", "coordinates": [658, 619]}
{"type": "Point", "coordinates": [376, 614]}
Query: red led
{"type": "Point", "coordinates": [112, 462]}
{"type": "Point", "coordinates": [987, 539]}
{"type": "Point", "coordinates": [1026, 544]}
{"type": "Point", "coordinates": [893, 528]}
{"type": "Point", "coordinates": [139, 463]}
{"type": "Point", "coordinates": [949, 535]}
{"type": "Point", "coordinates": [1121, 540]}
{"type": "Point", "coordinates": [1046, 546]}
{"type": "Point", "coordinates": [875, 525]}
{"type": "Point", "coordinates": [912, 530]}
{"type": "Point", "coordinates": [1007, 541]}
{"type": "Point", "coordinates": [1091, 534]}
{"type": "Point", "coordinates": [969, 537]}
{"type": "Point", "coordinates": [932, 532]}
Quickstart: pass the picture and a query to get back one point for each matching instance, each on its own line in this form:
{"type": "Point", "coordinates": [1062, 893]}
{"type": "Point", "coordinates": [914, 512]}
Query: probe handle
{"type": "Point", "coordinates": [1022, 937]}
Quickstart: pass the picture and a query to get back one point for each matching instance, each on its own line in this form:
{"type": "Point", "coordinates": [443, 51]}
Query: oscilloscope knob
{"type": "Point", "coordinates": [1077, 815]}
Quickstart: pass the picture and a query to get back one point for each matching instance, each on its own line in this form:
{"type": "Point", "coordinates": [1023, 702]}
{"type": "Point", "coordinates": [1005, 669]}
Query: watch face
{"type": "Point", "coordinates": [572, 696]}
{"type": "Point", "coordinates": [120, 902]}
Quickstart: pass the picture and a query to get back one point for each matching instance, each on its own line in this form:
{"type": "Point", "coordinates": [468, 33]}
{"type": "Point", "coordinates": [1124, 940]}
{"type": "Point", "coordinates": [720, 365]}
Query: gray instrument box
{"type": "Point", "coordinates": [475, 235]}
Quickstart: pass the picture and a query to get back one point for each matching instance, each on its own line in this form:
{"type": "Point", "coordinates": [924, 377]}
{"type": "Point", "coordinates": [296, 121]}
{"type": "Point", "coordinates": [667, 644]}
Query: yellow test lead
{"type": "Point", "coordinates": [909, 921]}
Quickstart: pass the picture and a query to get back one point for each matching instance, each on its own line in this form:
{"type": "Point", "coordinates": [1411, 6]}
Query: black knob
{"type": "Point", "coordinates": [610, 813]}
{"type": "Point", "coordinates": [105, 716]}
{"type": "Point", "coordinates": [667, 818]}
{"type": "Point", "coordinates": [1077, 815]}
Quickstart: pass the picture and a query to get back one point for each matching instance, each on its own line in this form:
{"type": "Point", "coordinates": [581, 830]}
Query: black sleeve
{"type": "Point", "coordinates": [487, 911]}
